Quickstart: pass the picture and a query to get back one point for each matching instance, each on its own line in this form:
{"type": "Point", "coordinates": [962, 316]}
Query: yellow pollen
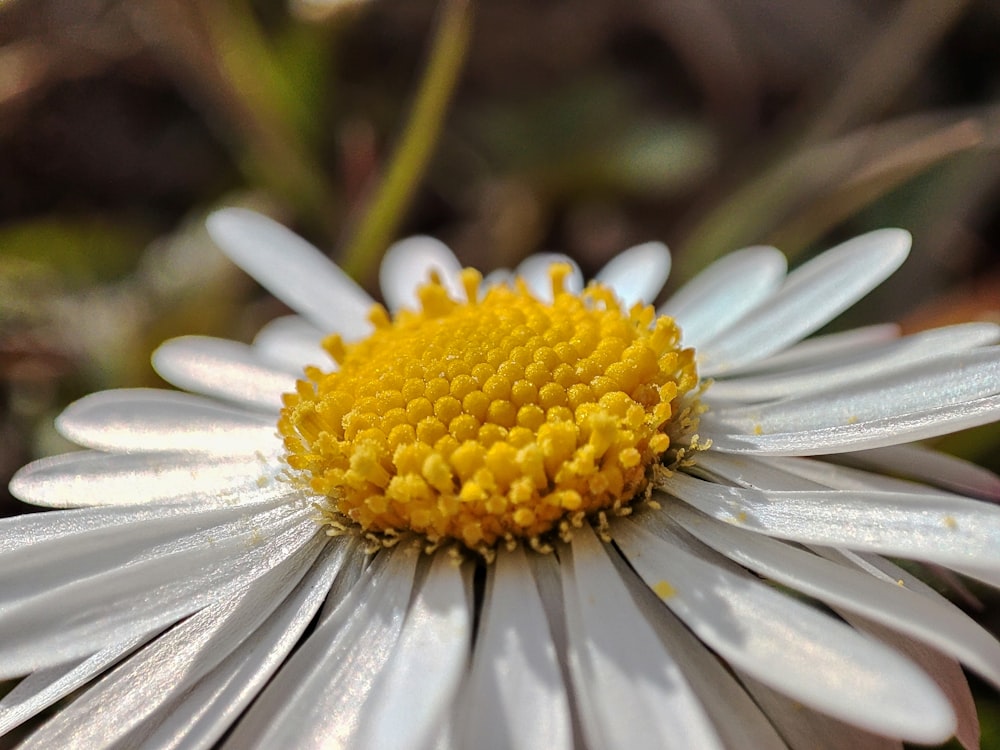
{"type": "Point", "coordinates": [497, 420]}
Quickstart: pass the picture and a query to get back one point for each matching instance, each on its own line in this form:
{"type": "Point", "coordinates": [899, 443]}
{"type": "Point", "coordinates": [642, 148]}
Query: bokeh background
{"type": "Point", "coordinates": [502, 127]}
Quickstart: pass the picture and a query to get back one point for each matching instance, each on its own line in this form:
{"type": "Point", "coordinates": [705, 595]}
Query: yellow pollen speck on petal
{"type": "Point", "coordinates": [950, 522]}
{"type": "Point", "coordinates": [497, 419]}
{"type": "Point", "coordinates": [664, 590]}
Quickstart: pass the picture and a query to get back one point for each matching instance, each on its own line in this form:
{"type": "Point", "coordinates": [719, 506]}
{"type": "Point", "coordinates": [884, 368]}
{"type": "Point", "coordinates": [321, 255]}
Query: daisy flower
{"type": "Point", "coordinates": [515, 512]}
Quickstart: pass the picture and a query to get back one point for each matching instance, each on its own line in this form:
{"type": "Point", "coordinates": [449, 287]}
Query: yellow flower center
{"type": "Point", "coordinates": [499, 419]}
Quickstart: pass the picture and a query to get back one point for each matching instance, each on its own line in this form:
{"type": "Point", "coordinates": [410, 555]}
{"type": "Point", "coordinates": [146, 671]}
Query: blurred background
{"type": "Point", "coordinates": [503, 128]}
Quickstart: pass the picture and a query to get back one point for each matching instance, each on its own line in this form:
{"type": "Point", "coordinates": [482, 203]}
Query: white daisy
{"type": "Point", "coordinates": [437, 545]}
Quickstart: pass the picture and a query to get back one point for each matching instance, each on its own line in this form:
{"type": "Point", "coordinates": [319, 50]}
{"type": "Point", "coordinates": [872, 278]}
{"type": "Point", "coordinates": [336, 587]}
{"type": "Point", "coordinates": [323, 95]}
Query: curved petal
{"type": "Point", "coordinates": [290, 343]}
{"type": "Point", "coordinates": [292, 270]}
{"type": "Point", "coordinates": [117, 704]}
{"type": "Point", "coordinates": [637, 274]}
{"type": "Point", "coordinates": [724, 292]}
{"type": "Point", "coordinates": [861, 435]}
{"type": "Point", "coordinates": [409, 263]}
{"type": "Point", "coordinates": [142, 420]}
{"type": "Point", "coordinates": [515, 692]}
{"type": "Point", "coordinates": [930, 466]}
{"type": "Point", "coordinates": [811, 296]}
{"type": "Point", "coordinates": [432, 652]}
{"type": "Point", "coordinates": [787, 645]}
{"type": "Point", "coordinates": [945, 529]}
{"type": "Point", "coordinates": [920, 386]}
{"type": "Point", "coordinates": [871, 365]}
{"type": "Point", "coordinates": [90, 478]}
{"type": "Point", "coordinates": [227, 370]}
{"type": "Point", "coordinates": [891, 604]}
{"type": "Point", "coordinates": [629, 690]}
{"type": "Point", "coordinates": [535, 271]}
{"type": "Point", "coordinates": [315, 700]}
{"type": "Point", "coordinates": [819, 350]}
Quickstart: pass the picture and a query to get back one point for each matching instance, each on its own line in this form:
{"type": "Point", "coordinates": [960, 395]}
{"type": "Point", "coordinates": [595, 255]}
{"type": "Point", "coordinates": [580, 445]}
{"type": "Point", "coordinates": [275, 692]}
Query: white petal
{"type": "Point", "coordinates": [871, 365]}
{"type": "Point", "coordinates": [629, 691]}
{"type": "Point", "coordinates": [293, 271]}
{"type": "Point", "coordinates": [41, 538]}
{"type": "Point", "coordinates": [826, 349]}
{"type": "Point", "coordinates": [791, 473]}
{"type": "Point", "coordinates": [737, 719]}
{"type": "Point", "coordinates": [945, 627]}
{"type": "Point", "coordinates": [786, 644]}
{"type": "Point", "coordinates": [90, 609]}
{"type": "Point", "coordinates": [290, 343]}
{"type": "Point", "coordinates": [315, 700]}
{"type": "Point", "coordinates": [515, 692]}
{"type": "Point", "coordinates": [724, 292]}
{"type": "Point", "coordinates": [207, 711]}
{"type": "Point", "coordinates": [432, 652]}
{"type": "Point", "coordinates": [224, 369]}
{"type": "Point", "coordinates": [927, 385]}
{"type": "Point", "coordinates": [945, 529]}
{"type": "Point", "coordinates": [931, 466]}
{"type": "Point", "coordinates": [88, 478]}
{"type": "Point", "coordinates": [139, 420]}
{"type": "Point", "coordinates": [861, 435]}
{"type": "Point", "coordinates": [811, 296]}
{"type": "Point", "coordinates": [639, 273]}
{"type": "Point", "coordinates": [946, 672]}
{"type": "Point", "coordinates": [41, 689]}
{"type": "Point", "coordinates": [804, 729]}
{"type": "Point", "coordinates": [119, 702]}
{"type": "Point", "coordinates": [409, 264]}
{"type": "Point", "coordinates": [535, 271]}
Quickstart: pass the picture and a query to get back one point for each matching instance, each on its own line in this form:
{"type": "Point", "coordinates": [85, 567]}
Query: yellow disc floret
{"type": "Point", "coordinates": [497, 419]}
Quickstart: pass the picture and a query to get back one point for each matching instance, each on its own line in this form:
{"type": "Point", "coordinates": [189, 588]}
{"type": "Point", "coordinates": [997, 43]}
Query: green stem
{"type": "Point", "coordinates": [392, 195]}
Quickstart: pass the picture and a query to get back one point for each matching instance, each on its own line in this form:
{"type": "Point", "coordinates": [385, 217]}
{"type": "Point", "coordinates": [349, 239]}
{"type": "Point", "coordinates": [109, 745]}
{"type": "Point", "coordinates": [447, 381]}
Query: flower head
{"type": "Point", "coordinates": [509, 510]}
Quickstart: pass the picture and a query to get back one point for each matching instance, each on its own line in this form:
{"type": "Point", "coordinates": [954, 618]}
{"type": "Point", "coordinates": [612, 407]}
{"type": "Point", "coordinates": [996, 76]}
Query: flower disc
{"type": "Point", "coordinates": [503, 418]}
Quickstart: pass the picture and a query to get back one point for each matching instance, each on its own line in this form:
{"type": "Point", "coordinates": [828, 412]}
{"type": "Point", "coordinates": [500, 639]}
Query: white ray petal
{"type": "Point", "coordinates": [805, 729]}
{"type": "Point", "coordinates": [89, 478]}
{"type": "Point", "coordinates": [629, 690]}
{"type": "Point", "coordinates": [41, 689]}
{"type": "Point", "coordinates": [293, 271]}
{"type": "Point", "coordinates": [930, 466]}
{"type": "Point", "coordinates": [926, 385]}
{"type": "Point", "coordinates": [736, 718]}
{"type": "Point", "coordinates": [944, 670]}
{"type": "Point", "coordinates": [820, 350]}
{"type": "Point", "coordinates": [836, 477]}
{"type": "Point", "coordinates": [290, 343]}
{"type": "Point", "coordinates": [515, 692]}
{"type": "Point", "coordinates": [116, 705]}
{"type": "Point", "coordinates": [224, 369]}
{"type": "Point", "coordinates": [637, 274]}
{"type": "Point", "coordinates": [945, 627]}
{"type": "Point", "coordinates": [207, 711]}
{"type": "Point", "coordinates": [48, 537]}
{"type": "Point", "coordinates": [94, 608]}
{"type": "Point", "coordinates": [724, 292]}
{"type": "Point", "coordinates": [409, 263]}
{"type": "Point", "coordinates": [945, 529]}
{"type": "Point", "coordinates": [432, 652]}
{"type": "Point", "coordinates": [315, 699]}
{"type": "Point", "coordinates": [793, 473]}
{"type": "Point", "coordinates": [535, 271]}
{"type": "Point", "coordinates": [140, 420]}
{"type": "Point", "coordinates": [811, 296]}
{"type": "Point", "coordinates": [786, 644]}
{"type": "Point", "coordinates": [861, 435]}
{"type": "Point", "coordinates": [871, 365]}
